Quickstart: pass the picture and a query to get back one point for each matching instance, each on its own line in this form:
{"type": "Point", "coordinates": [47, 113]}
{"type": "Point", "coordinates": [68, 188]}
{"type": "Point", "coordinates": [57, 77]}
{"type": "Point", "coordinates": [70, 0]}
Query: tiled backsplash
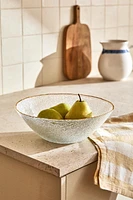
{"type": "Point", "coordinates": [31, 37]}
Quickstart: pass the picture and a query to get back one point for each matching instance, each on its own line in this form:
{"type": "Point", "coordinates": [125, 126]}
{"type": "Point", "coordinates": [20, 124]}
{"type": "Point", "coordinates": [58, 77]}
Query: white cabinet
{"type": "Point", "coordinates": [80, 186]}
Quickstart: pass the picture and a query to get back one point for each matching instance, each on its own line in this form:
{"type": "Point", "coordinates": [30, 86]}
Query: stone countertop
{"type": "Point", "coordinates": [18, 141]}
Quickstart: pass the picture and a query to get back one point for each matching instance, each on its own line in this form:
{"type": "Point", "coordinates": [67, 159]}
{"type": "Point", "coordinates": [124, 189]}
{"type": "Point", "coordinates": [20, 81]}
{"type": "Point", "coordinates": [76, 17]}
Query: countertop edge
{"type": "Point", "coordinates": [44, 166]}
{"type": "Point", "coordinates": [30, 161]}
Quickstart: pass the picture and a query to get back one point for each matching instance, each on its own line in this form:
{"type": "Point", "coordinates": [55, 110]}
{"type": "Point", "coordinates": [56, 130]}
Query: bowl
{"type": "Point", "coordinates": [63, 131]}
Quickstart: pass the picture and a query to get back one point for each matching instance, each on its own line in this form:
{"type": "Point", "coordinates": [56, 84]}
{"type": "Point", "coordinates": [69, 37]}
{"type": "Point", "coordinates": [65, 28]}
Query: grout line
{"type": "Point", "coordinates": [128, 22]}
{"type": "Point", "coordinates": [19, 63]}
{"type": "Point", "coordinates": [66, 6]}
{"type": "Point", "coordinates": [1, 52]}
{"type": "Point", "coordinates": [19, 36]}
{"type": "Point", "coordinates": [20, 8]}
{"type": "Point", "coordinates": [104, 20]}
{"type": "Point", "coordinates": [42, 39]}
{"type": "Point", "coordinates": [11, 8]}
{"type": "Point", "coordinates": [117, 20]}
{"type": "Point", "coordinates": [59, 15]}
{"type": "Point", "coordinates": [90, 25]}
{"type": "Point", "coordinates": [9, 37]}
{"type": "Point", "coordinates": [34, 61]}
{"type": "Point", "coordinates": [129, 26]}
{"type": "Point", "coordinates": [22, 45]}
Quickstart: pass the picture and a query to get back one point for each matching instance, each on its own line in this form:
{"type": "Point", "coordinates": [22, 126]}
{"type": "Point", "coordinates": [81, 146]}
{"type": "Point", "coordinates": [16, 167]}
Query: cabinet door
{"type": "Point", "coordinates": [19, 181]}
{"type": "Point", "coordinates": [80, 186]}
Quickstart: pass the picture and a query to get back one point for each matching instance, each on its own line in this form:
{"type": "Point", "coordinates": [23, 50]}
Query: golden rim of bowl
{"type": "Point", "coordinates": [75, 94]}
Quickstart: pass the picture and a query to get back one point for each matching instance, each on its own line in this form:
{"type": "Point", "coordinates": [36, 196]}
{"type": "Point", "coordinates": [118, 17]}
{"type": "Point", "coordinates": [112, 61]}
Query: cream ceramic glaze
{"type": "Point", "coordinates": [115, 62]}
{"type": "Point", "coordinates": [63, 131]}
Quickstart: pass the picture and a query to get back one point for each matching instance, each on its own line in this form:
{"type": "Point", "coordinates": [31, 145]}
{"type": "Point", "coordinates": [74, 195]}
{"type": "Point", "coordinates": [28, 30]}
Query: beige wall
{"type": "Point", "coordinates": [31, 30]}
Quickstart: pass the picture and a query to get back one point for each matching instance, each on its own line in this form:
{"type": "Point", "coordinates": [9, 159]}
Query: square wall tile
{"type": "Point", "coordinates": [123, 2]}
{"type": "Point", "coordinates": [11, 24]}
{"type": "Point", "coordinates": [11, 51]}
{"type": "Point", "coordinates": [31, 21]}
{"type": "Point", "coordinates": [98, 2]}
{"type": "Point", "coordinates": [110, 33]}
{"type": "Point", "coordinates": [131, 16]}
{"type": "Point", "coordinates": [12, 78]}
{"type": "Point", "coordinates": [110, 16]}
{"type": "Point", "coordinates": [50, 45]}
{"type": "Point", "coordinates": [123, 33]}
{"type": "Point", "coordinates": [67, 3]}
{"type": "Point", "coordinates": [131, 35]}
{"type": "Point", "coordinates": [66, 16]}
{"type": "Point", "coordinates": [53, 49]}
{"type": "Point", "coordinates": [32, 48]}
{"type": "Point", "coordinates": [60, 45]}
{"type": "Point", "coordinates": [52, 71]}
{"type": "Point", "coordinates": [95, 58]}
{"type": "Point", "coordinates": [123, 19]}
{"type": "Point", "coordinates": [85, 15]}
{"type": "Point", "coordinates": [32, 75]}
{"type": "Point", "coordinates": [50, 21]}
{"type": "Point", "coordinates": [131, 52]}
{"type": "Point", "coordinates": [97, 17]}
{"type": "Point", "coordinates": [97, 36]}
{"type": "Point", "coordinates": [111, 2]}
{"type": "Point", "coordinates": [83, 2]}
{"type": "Point", "coordinates": [31, 3]}
{"type": "Point", "coordinates": [10, 4]}
{"type": "Point", "coordinates": [50, 3]}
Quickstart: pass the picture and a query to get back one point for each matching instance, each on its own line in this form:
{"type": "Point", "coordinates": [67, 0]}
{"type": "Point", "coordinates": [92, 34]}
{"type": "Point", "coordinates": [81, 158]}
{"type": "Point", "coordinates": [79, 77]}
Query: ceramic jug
{"type": "Point", "coordinates": [115, 62]}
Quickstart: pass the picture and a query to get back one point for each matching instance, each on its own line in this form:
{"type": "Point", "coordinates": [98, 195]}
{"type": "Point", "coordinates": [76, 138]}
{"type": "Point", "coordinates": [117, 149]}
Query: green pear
{"type": "Point", "coordinates": [62, 108]}
{"type": "Point", "coordinates": [89, 115]}
{"type": "Point", "coordinates": [50, 114]}
{"type": "Point", "coordinates": [79, 110]}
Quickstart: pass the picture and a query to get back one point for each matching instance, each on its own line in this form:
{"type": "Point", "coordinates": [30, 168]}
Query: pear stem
{"type": "Point", "coordinates": [79, 98]}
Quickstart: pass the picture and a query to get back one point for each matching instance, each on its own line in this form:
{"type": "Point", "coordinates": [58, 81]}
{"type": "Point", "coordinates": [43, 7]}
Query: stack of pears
{"type": "Point", "coordinates": [79, 110]}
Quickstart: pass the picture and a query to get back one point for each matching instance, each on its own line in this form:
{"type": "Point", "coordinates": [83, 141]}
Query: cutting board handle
{"type": "Point", "coordinates": [77, 14]}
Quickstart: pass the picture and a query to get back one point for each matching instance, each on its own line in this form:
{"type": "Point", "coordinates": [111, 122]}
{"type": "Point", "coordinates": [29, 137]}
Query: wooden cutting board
{"type": "Point", "coordinates": [77, 49]}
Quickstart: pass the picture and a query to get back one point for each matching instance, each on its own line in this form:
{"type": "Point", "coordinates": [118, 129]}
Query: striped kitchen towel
{"type": "Point", "coordinates": [114, 144]}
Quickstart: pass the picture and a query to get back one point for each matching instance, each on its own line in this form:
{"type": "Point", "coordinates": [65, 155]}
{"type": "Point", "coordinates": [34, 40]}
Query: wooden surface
{"type": "Point", "coordinates": [77, 49]}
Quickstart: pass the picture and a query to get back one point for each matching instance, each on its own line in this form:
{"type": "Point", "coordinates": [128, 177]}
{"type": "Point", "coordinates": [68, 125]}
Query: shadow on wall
{"type": "Point", "coordinates": [52, 62]}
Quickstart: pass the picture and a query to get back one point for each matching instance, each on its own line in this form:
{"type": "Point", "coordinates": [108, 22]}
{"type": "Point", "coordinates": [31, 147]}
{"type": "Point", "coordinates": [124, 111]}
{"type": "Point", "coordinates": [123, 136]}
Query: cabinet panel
{"type": "Point", "coordinates": [80, 186]}
{"type": "Point", "coordinates": [19, 181]}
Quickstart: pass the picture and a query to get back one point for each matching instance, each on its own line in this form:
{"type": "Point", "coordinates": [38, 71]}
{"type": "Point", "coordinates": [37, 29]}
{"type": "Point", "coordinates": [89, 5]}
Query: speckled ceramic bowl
{"type": "Point", "coordinates": [63, 131]}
